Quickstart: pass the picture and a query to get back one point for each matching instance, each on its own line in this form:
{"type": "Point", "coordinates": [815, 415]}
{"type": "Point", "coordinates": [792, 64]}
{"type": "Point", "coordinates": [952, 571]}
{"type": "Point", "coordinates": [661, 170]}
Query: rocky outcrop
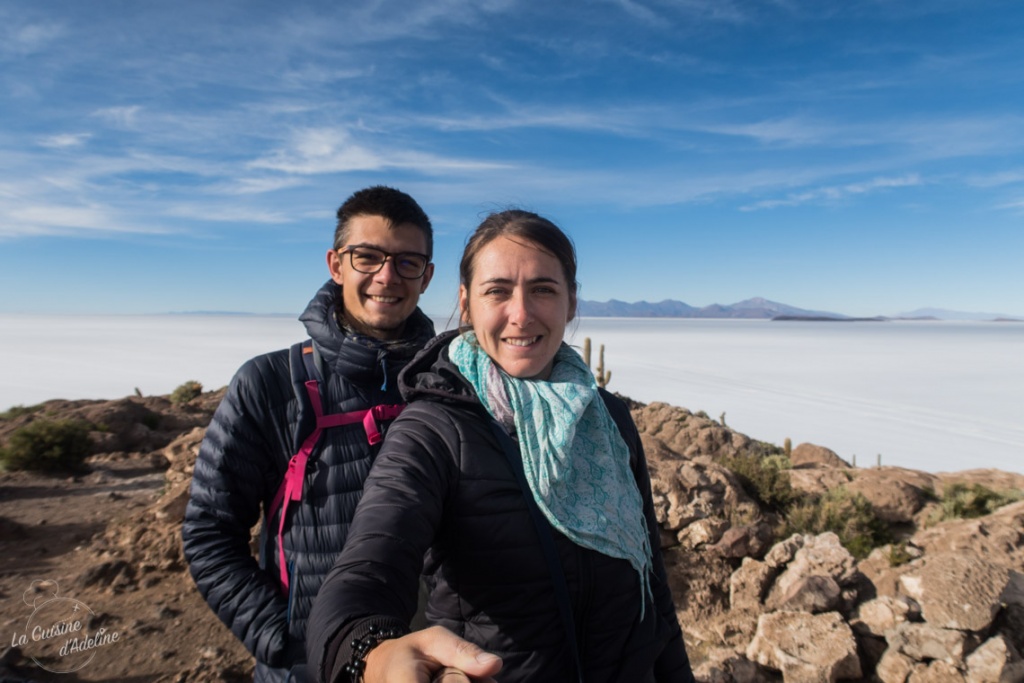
{"type": "Point", "coordinates": [667, 429]}
{"type": "Point", "coordinates": [942, 604]}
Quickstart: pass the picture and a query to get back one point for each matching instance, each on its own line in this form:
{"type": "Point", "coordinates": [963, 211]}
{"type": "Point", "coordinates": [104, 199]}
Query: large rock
{"type": "Point", "coordinates": [724, 665]}
{"type": "Point", "coordinates": [810, 455]}
{"type": "Point", "coordinates": [667, 428]}
{"type": "Point", "coordinates": [894, 667]}
{"type": "Point", "coordinates": [821, 555]}
{"type": "Point", "coordinates": [749, 584]}
{"type": "Point", "coordinates": [750, 540]}
{"type": "Point", "coordinates": [817, 481]}
{"type": "Point", "coordinates": [957, 591]}
{"type": "Point", "coordinates": [783, 552]}
{"type": "Point", "coordinates": [814, 594]}
{"type": "Point", "coordinates": [879, 616]}
{"type": "Point", "coordinates": [702, 532]}
{"type": "Point", "coordinates": [996, 661]}
{"type": "Point", "coordinates": [879, 570]}
{"type": "Point", "coordinates": [923, 642]}
{"type": "Point", "coordinates": [806, 648]}
{"type": "Point", "coordinates": [997, 538]}
{"type": "Point", "coordinates": [935, 672]}
{"type": "Point", "coordinates": [686, 492]}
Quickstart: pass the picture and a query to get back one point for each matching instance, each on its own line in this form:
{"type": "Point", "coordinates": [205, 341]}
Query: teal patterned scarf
{"type": "Point", "coordinates": [576, 462]}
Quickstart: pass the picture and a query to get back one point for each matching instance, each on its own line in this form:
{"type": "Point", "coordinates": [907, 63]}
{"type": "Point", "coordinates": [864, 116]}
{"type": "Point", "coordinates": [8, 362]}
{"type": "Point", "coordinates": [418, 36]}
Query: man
{"type": "Point", "coordinates": [365, 325]}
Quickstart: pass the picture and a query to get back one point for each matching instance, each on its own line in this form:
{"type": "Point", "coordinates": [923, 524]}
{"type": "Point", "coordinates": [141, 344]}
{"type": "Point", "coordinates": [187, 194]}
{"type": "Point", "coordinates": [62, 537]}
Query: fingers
{"type": "Point", "coordinates": [453, 652]}
{"type": "Point", "coordinates": [450, 675]}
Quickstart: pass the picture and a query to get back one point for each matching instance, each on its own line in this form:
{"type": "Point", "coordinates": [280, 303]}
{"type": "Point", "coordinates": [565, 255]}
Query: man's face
{"type": "Point", "coordinates": [378, 304]}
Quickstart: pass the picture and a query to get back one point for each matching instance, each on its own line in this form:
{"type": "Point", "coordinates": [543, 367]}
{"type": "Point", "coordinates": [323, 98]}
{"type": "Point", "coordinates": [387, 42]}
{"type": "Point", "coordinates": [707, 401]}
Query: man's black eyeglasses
{"type": "Point", "coordinates": [408, 264]}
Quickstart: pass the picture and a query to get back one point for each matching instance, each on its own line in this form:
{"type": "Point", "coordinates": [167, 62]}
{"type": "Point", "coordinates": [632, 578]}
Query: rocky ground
{"type": "Point", "coordinates": [944, 604]}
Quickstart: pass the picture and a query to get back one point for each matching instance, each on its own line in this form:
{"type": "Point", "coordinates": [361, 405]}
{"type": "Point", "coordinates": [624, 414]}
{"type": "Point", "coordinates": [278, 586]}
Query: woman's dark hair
{"type": "Point", "coordinates": [522, 225]}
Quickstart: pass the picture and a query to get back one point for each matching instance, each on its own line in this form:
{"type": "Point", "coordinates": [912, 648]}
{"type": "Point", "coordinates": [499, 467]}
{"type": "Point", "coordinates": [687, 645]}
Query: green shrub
{"type": "Point", "coordinates": [849, 515]}
{"type": "Point", "coordinates": [929, 495]}
{"type": "Point", "coordinates": [48, 445]}
{"type": "Point", "coordinates": [186, 392]}
{"type": "Point", "coordinates": [18, 411]}
{"type": "Point", "coordinates": [960, 501]}
{"type": "Point", "coordinates": [899, 555]}
{"type": "Point", "coordinates": [763, 477]}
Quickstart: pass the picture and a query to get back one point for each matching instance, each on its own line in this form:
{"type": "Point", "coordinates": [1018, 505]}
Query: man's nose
{"type": "Point", "coordinates": [388, 271]}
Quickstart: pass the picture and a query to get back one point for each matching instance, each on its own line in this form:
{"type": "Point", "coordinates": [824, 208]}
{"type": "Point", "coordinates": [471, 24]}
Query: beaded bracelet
{"type": "Point", "coordinates": [362, 646]}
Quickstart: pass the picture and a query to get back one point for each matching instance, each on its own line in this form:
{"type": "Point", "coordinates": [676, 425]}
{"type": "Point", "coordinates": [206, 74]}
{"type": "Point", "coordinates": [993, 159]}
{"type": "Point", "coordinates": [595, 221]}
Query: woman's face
{"type": "Point", "coordinates": [518, 303]}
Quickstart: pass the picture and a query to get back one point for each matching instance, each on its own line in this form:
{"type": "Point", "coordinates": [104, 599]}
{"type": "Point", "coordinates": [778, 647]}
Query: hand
{"type": "Point", "coordinates": [423, 655]}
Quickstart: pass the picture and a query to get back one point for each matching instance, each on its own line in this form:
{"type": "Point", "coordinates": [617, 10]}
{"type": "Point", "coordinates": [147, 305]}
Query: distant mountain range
{"type": "Point", "coordinates": [754, 309]}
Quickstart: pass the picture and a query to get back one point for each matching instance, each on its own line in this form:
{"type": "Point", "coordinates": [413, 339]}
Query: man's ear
{"type": "Point", "coordinates": [334, 266]}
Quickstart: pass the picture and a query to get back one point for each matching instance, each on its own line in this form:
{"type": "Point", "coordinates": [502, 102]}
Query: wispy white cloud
{"type": "Point", "coordinates": [996, 179]}
{"type": "Point", "coordinates": [229, 214]}
{"type": "Point", "coordinates": [1017, 204]}
{"type": "Point", "coordinates": [123, 117]}
{"type": "Point", "coordinates": [332, 150]}
{"type": "Point", "coordinates": [27, 38]}
{"type": "Point", "coordinates": [836, 192]}
{"type": "Point", "coordinates": [28, 220]}
{"type": "Point", "coordinates": [788, 130]}
{"type": "Point", "coordinates": [244, 186]}
{"type": "Point", "coordinates": [637, 10]}
{"type": "Point", "coordinates": [65, 140]}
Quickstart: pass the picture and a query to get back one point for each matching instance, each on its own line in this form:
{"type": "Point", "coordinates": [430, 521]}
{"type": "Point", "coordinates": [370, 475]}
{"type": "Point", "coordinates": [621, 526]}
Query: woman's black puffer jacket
{"type": "Point", "coordinates": [442, 496]}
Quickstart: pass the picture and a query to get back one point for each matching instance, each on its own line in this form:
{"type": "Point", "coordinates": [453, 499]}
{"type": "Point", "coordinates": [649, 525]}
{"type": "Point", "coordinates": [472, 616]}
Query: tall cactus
{"type": "Point", "coordinates": [602, 376]}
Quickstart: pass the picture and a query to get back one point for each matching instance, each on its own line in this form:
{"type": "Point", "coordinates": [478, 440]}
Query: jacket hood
{"type": "Point", "coordinates": [432, 375]}
{"type": "Point", "coordinates": [360, 358]}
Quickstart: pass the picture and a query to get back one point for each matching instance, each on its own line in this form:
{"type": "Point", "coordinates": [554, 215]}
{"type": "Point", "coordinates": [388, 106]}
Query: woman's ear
{"type": "Point", "coordinates": [464, 306]}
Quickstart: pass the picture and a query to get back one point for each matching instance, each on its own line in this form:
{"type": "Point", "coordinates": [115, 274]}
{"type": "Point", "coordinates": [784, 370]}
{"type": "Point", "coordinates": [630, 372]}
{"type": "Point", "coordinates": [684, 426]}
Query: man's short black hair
{"type": "Point", "coordinates": [393, 205]}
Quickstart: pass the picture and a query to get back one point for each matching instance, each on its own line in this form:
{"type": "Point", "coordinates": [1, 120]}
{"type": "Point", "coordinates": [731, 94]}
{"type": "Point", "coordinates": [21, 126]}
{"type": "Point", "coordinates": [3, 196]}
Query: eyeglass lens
{"type": "Point", "coordinates": [409, 265]}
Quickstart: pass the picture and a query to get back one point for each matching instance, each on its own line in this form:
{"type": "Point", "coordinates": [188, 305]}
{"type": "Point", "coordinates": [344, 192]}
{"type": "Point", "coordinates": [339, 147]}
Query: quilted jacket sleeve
{"type": "Point", "coordinates": [234, 471]}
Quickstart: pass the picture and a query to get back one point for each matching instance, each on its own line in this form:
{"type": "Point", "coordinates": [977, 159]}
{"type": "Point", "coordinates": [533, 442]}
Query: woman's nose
{"type": "Point", "coordinates": [519, 310]}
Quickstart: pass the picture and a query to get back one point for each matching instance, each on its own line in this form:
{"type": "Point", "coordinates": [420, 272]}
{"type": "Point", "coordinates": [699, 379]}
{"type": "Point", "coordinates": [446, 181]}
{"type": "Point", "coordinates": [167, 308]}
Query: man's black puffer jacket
{"type": "Point", "coordinates": [442, 486]}
{"type": "Point", "coordinates": [242, 462]}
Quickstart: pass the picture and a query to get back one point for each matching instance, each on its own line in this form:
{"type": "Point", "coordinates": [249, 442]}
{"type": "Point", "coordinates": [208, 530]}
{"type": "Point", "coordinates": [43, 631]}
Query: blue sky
{"type": "Point", "coordinates": [860, 157]}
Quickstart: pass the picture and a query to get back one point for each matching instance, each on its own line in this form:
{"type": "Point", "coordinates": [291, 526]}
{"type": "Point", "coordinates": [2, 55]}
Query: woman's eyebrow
{"type": "Point", "coordinates": [510, 281]}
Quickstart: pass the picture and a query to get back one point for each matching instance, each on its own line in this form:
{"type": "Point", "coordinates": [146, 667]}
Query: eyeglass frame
{"type": "Point", "coordinates": [350, 250]}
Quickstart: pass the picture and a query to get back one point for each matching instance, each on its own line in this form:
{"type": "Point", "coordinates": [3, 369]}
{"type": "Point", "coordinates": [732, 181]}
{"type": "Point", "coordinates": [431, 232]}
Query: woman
{"type": "Point", "coordinates": [452, 494]}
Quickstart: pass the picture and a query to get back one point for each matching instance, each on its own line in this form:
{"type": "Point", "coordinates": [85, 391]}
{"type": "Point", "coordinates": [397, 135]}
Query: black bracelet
{"type": "Point", "coordinates": [362, 646]}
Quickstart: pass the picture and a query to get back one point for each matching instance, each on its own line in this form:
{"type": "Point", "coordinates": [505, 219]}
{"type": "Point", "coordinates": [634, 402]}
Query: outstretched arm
{"type": "Point", "coordinates": [375, 580]}
{"type": "Point", "coordinates": [434, 654]}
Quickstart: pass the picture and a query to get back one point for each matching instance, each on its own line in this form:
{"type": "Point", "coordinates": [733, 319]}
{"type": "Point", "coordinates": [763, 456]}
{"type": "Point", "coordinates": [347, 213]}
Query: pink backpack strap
{"type": "Point", "coordinates": [291, 487]}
